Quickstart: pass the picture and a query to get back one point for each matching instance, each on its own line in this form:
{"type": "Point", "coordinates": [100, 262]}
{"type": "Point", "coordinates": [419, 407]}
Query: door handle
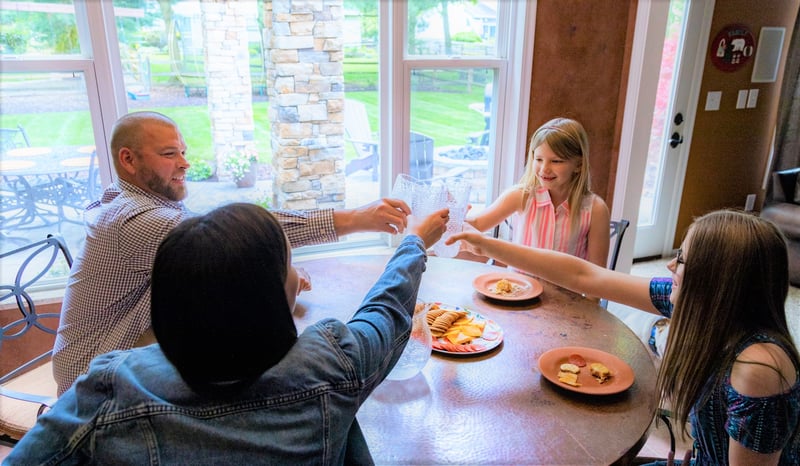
{"type": "Point", "coordinates": [675, 139]}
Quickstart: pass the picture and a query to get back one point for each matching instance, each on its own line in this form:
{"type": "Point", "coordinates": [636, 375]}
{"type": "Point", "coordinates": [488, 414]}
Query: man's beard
{"type": "Point", "coordinates": [164, 188]}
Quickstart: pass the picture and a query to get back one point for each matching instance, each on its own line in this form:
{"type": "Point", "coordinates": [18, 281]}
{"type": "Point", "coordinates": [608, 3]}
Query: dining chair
{"type": "Point", "coordinates": [359, 133]}
{"type": "Point", "coordinates": [27, 332]}
{"type": "Point", "coordinates": [618, 228]}
{"type": "Point", "coordinates": [11, 138]}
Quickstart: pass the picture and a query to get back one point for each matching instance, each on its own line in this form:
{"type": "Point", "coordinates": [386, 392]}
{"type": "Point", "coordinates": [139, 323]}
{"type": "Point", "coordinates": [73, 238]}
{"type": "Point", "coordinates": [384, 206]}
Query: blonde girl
{"type": "Point", "coordinates": [552, 206]}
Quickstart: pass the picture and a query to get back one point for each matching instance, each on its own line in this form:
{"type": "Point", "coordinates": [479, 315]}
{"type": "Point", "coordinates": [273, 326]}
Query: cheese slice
{"type": "Point", "coordinates": [568, 378]}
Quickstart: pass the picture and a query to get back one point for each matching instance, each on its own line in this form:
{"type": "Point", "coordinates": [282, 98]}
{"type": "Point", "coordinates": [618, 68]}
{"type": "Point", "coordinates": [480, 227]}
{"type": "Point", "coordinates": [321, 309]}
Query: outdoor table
{"type": "Point", "coordinates": [37, 183]}
{"type": "Point", "coordinates": [493, 408]}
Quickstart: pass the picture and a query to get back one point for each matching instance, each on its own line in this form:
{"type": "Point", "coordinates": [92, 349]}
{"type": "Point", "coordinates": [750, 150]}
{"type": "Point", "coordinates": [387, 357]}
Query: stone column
{"type": "Point", "coordinates": [305, 84]}
{"type": "Point", "coordinates": [230, 98]}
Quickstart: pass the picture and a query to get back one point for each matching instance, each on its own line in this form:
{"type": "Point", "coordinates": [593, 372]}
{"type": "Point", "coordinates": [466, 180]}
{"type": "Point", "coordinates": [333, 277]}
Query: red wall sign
{"type": "Point", "coordinates": [732, 47]}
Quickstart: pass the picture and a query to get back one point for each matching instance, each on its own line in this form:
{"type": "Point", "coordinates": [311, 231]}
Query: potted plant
{"type": "Point", "coordinates": [241, 163]}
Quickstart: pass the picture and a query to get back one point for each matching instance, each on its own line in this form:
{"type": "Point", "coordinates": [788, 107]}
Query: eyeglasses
{"type": "Point", "coordinates": [679, 257]}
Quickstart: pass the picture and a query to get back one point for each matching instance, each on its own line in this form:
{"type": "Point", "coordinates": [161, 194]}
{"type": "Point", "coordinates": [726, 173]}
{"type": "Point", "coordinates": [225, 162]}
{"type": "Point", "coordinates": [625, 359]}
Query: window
{"type": "Point", "coordinates": [319, 97]}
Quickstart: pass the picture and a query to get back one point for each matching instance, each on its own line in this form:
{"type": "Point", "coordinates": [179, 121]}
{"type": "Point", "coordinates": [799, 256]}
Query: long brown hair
{"type": "Point", "coordinates": [735, 283]}
{"type": "Point", "coordinates": [567, 139]}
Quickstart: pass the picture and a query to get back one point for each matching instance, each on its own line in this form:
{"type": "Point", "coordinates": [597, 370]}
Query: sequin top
{"type": "Point", "coordinates": [762, 424]}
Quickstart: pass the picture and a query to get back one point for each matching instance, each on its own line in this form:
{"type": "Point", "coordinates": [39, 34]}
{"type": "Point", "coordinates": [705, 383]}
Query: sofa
{"type": "Point", "coordinates": [783, 208]}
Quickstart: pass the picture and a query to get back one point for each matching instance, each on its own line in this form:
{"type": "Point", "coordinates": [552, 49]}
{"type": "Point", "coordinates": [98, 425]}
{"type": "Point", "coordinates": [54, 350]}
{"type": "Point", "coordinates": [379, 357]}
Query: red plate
{"type": "Point", "coordinates": [621, 373]}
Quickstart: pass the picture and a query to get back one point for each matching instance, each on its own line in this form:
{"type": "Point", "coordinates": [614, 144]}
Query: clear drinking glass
{"type": "Point", "coordinates": [457, 199]}
{"type": "Point", "coordinates": [423, 197]}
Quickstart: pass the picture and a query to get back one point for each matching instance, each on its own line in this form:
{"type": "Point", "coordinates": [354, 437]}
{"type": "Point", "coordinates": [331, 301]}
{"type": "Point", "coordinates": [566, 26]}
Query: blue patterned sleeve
{"type": "Point", "coordinates": [660, 289]}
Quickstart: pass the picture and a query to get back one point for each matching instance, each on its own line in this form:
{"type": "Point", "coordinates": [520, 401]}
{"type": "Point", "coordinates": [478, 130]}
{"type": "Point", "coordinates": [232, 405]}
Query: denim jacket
{"type": "Point", "coordinates": [133, 407]}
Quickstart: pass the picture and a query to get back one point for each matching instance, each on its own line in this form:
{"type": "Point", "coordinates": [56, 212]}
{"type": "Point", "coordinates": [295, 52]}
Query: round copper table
{"type": "Point", "coordinates": [494, 408]}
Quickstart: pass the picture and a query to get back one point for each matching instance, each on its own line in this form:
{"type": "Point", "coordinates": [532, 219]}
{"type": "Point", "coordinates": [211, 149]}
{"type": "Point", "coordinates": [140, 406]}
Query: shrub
{"type": "Point", "coordinates": [199, 170]}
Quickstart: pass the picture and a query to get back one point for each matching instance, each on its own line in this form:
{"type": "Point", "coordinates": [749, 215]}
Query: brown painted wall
{"type": "Point", "coordinates": [730, 146]}
{"type": "Point", "coordinates": [580, 69]}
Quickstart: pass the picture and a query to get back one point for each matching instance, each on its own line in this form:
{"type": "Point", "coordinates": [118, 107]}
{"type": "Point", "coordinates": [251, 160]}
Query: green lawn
{"type": "Point", "coordinates": [443, 116]}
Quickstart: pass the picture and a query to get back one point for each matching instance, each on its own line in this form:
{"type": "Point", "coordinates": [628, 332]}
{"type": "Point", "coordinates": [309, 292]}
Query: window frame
{"type": "Point", "coordinates": [101, 65]}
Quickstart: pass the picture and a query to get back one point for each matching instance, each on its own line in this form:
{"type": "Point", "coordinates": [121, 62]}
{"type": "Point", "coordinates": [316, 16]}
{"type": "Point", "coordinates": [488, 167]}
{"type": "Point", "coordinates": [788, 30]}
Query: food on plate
{"type": "Point", "coordinates": [455, 330]}
{"type": "Point", "coordinates": [567, 367]}
{"type": "Point", "coordinates": [599, 372]}
{"type": "Point", "coordinates": [445, 321]}
{"type": "Point", "coordinates": [577, 359]}
{"type": "Point", "coordinates": [503, 286]}
{"type": "Point", "coordinates": [455, 348]}
{"type": "Point", "coordinates": [568, 378]}
{"type": "Point", "coordinates": [434, 312]}
{"type": "Point", "coordinates": [464, 330]}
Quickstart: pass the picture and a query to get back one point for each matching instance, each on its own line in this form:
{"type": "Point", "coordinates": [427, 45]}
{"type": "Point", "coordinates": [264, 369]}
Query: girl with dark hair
{"type": "Point", "coordinates": [230, 380]}
{"type": "Point", "coordinates": [730, 367]}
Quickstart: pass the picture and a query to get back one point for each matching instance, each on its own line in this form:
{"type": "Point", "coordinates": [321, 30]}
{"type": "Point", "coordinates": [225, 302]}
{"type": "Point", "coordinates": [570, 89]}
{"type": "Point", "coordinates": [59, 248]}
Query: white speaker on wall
{"type": "Point", "coordinates": [768, 55]}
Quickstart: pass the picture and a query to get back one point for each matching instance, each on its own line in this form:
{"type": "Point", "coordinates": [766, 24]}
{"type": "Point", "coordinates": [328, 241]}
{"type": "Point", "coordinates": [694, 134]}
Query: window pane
{"type": "Point", "coordinates": [361, 115]}
{"type": "Point", "coordinates": [29, 29]}
{"type": "Point", "coordinates": [164, 55]}
{"type": "Point", "coordinates": [452, 28]}
{"type": "Point", "coordinates": [47, 157]}
{"type": "Point", "coordinates": [182, 62]}
{"type": "Point", "coordinates": [450, 112]}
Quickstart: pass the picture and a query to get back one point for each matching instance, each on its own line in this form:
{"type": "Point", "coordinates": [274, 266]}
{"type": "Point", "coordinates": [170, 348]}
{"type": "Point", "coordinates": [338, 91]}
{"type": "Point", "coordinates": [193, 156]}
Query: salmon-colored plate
{"type": "Point", "coordinates": [621, 373]}
{"type": "Point", "coordinates": [491, 338]}
{"type": "Point", "coordinates": [525, 287]}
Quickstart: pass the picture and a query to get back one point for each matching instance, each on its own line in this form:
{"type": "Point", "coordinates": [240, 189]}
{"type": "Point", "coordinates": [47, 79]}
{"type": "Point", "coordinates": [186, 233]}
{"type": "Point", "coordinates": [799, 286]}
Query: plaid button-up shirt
{"type": "Point", "coordinates": [107, 301]}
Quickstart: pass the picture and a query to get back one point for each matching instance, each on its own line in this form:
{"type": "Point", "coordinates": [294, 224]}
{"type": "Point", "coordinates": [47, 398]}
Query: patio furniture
{"type": "Point", "coordinates": [357, 128]}
{"type": "Point", "coordinates": [27, 387]}
{"type": "Point", "coordinates": [12, 138]}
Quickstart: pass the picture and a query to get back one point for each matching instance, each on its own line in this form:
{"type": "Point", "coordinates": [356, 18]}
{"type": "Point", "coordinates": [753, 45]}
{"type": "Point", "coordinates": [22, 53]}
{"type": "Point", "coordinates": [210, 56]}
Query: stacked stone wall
{"type": "Point", "coordinates": [230, 102]}
{"type": "Point", "coordinates": [305, 85]}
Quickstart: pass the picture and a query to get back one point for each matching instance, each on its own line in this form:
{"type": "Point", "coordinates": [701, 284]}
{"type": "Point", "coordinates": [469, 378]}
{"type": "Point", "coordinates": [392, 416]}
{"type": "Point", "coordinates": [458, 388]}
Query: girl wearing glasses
{"type": "Point", "coordinates": [730, 367]}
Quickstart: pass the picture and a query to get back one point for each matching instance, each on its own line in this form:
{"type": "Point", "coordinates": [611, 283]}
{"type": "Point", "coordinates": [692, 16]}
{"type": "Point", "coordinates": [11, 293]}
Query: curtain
{"type": "Point", "coordinates": [787, 137]}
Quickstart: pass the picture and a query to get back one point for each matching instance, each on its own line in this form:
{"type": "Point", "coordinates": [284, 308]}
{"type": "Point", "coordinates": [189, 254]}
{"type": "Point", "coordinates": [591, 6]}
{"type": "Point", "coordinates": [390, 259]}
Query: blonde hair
{"type": "Point", "coordinates": [567, 139]}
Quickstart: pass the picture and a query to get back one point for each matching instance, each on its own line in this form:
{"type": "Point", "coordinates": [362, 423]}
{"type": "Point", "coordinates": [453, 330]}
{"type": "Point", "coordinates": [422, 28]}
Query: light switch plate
{"type": "Point", "coordinates": [741, 100]}
{"type": "Point", "coordinates": [713, 99]}
{"type": "Point", "coordinates": [752, 98]}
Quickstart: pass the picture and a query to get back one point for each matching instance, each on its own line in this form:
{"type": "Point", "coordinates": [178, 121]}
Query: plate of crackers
{"type": "Point", "coordinates": [457, 330]}
{"type": "Point", "coordinates": [586, 370]}
{"type": "Point", "coordinates": [507, 286]}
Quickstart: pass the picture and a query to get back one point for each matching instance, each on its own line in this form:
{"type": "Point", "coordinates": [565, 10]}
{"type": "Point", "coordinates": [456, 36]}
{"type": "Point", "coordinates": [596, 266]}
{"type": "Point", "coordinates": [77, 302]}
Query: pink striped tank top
{"type": "Point", "coordinates": [545, 226]}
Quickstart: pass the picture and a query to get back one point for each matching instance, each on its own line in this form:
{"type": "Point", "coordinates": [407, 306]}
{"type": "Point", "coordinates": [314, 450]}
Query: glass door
{"type": "Point", "coordinates": [671, 128]}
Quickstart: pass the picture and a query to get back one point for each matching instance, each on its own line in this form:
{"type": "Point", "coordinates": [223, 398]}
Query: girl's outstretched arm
{"type": "Point", "coordinates": [562, 269]}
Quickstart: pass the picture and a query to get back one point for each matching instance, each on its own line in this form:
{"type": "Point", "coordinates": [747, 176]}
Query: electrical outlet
{"type": "Point", "coordinates": [752, 98]}
{"type": "Point", "coordinates": [713, 99]}
{"type": "Point", "coordinates": [750, 203]}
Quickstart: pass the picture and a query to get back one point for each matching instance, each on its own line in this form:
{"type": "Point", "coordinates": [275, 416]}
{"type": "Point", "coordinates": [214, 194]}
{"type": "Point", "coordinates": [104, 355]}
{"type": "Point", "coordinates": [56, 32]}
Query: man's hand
{"type": "Point", "coordinates": [432, 227]}
{"type": "Point", "coordinates": [384, 215]}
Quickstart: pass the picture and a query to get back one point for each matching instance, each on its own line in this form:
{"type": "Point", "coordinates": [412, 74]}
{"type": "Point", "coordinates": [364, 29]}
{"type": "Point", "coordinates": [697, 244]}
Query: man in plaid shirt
{"type": "Point", "coordinates": [107, 301]}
